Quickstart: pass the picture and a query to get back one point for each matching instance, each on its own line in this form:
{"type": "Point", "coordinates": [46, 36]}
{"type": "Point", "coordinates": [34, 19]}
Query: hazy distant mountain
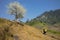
{"type": "Point", "coordinates": [49, 17]}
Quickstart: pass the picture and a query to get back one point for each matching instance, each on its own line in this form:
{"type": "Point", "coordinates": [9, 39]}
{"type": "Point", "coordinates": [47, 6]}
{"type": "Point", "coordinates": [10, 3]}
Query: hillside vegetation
{"type": "Point", "coordinates": [48, 18]}
{"type": "Point", "coordinates": [11, 30]}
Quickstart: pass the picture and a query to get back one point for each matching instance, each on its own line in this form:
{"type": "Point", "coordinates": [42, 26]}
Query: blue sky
{"type": "Point", "coordinates": [34, 7]}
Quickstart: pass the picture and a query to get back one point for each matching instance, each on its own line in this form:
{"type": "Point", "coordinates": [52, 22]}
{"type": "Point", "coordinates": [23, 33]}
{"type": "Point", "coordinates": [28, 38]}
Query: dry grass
{"type": "Point", "coordinates": [13, 30]}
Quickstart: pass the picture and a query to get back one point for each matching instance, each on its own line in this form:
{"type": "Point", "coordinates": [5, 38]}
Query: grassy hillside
{"type": "Point", "coordinates": [50, 19]}
{"type": "Point", "coordinates": [16, 31]}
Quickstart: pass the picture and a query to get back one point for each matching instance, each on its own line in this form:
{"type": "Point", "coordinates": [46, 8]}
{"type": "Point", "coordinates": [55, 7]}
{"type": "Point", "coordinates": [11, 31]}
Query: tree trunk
{"type": "Point", "coordinates": [16, 17]}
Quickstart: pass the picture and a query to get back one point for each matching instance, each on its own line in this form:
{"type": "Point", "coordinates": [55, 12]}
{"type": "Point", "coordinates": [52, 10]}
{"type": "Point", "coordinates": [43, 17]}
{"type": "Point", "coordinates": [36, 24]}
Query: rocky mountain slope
{"type": "Point", "coordinates": [10, 30]}
{"type": "Point", "coordinates": [49, 17]}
